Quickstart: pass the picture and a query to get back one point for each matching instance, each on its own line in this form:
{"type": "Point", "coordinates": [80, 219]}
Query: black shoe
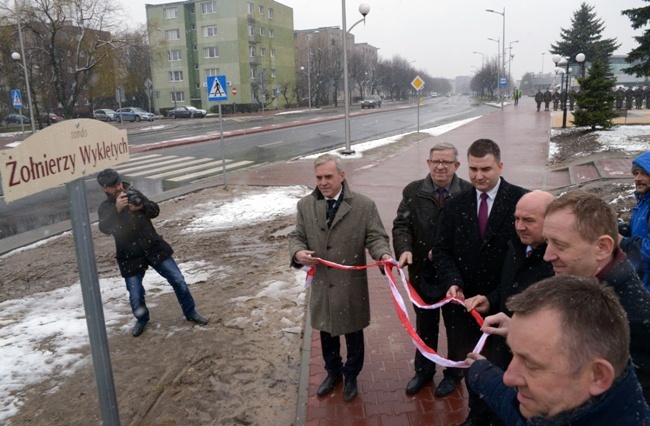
{"type": "Point", "coordinates": [197, 319]}
{"type": "Point", "coordinates": [350, 390]}
{"type": "Point", "coordinates": [329, 384]}
{"type": "Point", "coordinates": [447, 386]}
{"type": "Point", "coordinates": [473, 421]}
{"type": "Point", "coordinates": [416, 384]}
{"type": "Point", "coordinates": [138, 328]}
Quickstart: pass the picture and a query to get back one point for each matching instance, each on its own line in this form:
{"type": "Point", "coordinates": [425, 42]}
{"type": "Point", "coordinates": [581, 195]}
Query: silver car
{"type": "Point", "coordinates": [104, 114]}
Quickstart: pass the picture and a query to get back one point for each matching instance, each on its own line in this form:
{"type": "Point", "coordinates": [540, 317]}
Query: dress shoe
{"type": "Point", "coordinates": [350, 390]}
{"type": "Point", "coordinates": [195, 317]}
{"type": "Point", "coordinates": [329, 384]}
{"type": "Point", "coordinates": [446, 386]}
{"type": "Point", "coordinates": [138, 328]}
{"type": "Point", "coordinates": [416, 384]}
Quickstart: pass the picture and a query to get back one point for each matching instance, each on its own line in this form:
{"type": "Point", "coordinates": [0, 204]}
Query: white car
{"type": "Point", "coordinates": [104, 114]}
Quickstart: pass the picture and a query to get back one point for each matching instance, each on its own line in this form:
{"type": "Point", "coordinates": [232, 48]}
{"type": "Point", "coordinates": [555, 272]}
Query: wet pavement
{"type": "Point", "coordinates": [523, 135]}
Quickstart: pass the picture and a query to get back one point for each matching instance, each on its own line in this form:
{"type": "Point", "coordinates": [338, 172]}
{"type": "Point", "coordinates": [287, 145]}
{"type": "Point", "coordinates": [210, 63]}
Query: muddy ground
{"type": "Point", "coordinates": [230, 372]}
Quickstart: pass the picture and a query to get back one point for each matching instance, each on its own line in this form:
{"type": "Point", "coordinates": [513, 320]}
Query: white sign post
{"type": "Point", "coordinates": [217, 92]}
{"type": "Point", "coordinates": [69, 152]}
{"type": "Point", "coordinates": [418, 84]}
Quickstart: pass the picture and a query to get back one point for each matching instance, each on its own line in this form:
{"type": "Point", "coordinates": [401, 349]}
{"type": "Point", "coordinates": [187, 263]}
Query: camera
{"type": "Point", "coordinates": [134, 197]}
{"type": "Point", "coordinates": [623, 228]}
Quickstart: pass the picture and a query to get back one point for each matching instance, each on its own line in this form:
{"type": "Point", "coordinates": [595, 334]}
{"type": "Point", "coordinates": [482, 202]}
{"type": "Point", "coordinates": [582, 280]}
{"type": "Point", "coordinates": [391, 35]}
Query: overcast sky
{"type": "Point", "coordinates": [441, 35]}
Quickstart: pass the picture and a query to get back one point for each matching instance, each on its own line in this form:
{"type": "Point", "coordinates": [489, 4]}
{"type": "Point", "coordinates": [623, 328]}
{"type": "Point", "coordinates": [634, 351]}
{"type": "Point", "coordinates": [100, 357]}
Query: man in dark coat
{"type": "Point", "coordinates": [582, 236]}
{"type": "Point", "coordinates": [470, 248]}
{"type": "Point", "coordinates": [524, 266]}
{"type": "Point", "coordinates": [619, 96]}
{"type": "Point", "coordinates": [539, 97]}
{"type": "Point", "coordinates": [547, 99]}
{"type": "Point", "coordinates": [556, 100]}
{"type": "Point", "coordinates": [126, 215]}
{"type": "Point", "coordinates": [336, 224]}
{"type": "Point", "coordinates": [570, 341]}
{"type": "Point", "coordinates": [629, 98]}
{"type": "Point", "coordinates": [414, 230]}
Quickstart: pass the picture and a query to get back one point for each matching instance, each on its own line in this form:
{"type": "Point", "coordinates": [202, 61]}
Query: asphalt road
{"type": "Point", "coordinates": [299, 134]}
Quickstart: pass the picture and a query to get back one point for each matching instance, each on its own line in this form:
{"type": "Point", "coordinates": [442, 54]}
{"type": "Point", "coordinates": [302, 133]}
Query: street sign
{"type": "Point", "coordinates": [417, 83]}
{"type": "Point", "coordinates": [217, 88]}
{"type": "Point", "coordinates": [234, 91]}
{"type": "Point", "coordinates": [16, 99]}
{"type": "Point", "coordinates": [502, 82]}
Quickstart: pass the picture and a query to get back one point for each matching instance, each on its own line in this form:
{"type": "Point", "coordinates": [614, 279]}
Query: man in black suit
{"type": "Point", "coordinates": [470, 249]}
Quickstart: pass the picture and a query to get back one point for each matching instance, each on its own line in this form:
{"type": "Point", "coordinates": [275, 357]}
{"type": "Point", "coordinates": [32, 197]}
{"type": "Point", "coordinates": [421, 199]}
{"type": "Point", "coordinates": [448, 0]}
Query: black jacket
{"type": "Point", "coordinates": [414, 230]}
{"type": "Point", "coordinates": [635, 299]}
{"type": "Point", "coordinates": [137, 244]}
{"type": "Point", "coordinates": [460, 256]}
{"type": "Point", "coordinates": [519, 272]}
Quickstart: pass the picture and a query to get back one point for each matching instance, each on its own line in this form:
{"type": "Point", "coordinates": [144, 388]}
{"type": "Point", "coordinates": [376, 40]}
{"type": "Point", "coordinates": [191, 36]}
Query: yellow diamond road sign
{"type": "Point", "coordinates": [417, 83]}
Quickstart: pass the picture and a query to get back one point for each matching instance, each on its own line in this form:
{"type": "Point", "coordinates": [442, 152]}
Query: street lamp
{"type": "Point", "coordinates": [364, 9]}
{"type": "Point", "coordinates": [558, 59]}
{"type": "Point", "coordinates": [309, 65]}
{"type": "Point", "coordinates": [16, 57]}
{"type": "Point", "coordinates": [498, 40]}
{"type": "Point", "coordinates": [543, 53]}
{"type": "Point", "coordinates": [482, 58]}
{"type": "Point", "coordinates": [511, 57]}
{"type": "Point", "coordinates": [503, 63]}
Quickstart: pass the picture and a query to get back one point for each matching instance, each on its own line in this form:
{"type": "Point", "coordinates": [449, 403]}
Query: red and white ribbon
{"type": "Point", "coordinates": [400, 307]}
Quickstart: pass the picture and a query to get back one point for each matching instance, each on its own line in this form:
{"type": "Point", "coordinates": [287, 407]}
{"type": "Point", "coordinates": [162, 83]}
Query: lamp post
{"type": "Point", "coordinates": [558, 59]}
{"type": "Point", "coordinates": [511, 56]}
{"type": "Point", "coordinates": [310, 36]}
{"type": "Point", "coordinates": [364, 9]}
{"type": "Point", "coordinates": [503, 62]}
{"type": "Point", "coordinates": [543, 53]}
{"type": "Point", "coordinates": [16, 57]}
{"type": "Point", "coordinates": [498, 63]}
{"type": "Point", "coordinates": [482, 58]}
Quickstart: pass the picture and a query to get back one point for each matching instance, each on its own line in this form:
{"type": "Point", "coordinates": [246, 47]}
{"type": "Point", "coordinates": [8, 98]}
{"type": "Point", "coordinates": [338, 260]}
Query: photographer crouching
{"type": "Point", "coordinates": [126, 215]}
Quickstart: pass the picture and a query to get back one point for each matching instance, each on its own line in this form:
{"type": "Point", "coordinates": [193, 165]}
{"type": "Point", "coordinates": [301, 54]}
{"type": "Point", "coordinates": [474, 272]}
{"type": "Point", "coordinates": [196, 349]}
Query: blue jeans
{"type": "Point", "coordinates": [168, 270]}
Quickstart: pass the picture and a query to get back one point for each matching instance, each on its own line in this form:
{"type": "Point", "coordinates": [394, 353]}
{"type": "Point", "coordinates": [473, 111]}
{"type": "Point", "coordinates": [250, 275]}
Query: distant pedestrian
{"type": "Point", "coordinates": [620, 97]}
{"type": "Point", "coordinates": [556, 100]}
{"type": "Point", "coordinates": [539, 97]}
{"type": "Point", "coordinates": [517, 95]}
{"type": "Point", "coordinates": [547, 100]}
{"type": "Point", "coordinates": [638, 97]}
{"type": "Point", "coordinates": [629, 98]}
{"type": "Point", "coordinates": [572, 99]}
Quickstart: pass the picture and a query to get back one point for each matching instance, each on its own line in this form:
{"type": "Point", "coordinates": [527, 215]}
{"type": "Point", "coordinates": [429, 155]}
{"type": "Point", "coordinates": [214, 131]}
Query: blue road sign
{"type": "Point", "coordinates": [502, 82]}
{"type": "Point", "coordinates": [217, 88]}
{"type": "Point", "coordinates": [16, 99]}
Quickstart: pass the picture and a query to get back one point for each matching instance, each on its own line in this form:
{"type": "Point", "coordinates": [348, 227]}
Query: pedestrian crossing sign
{"type": "Point", "coordinates": [16, 99]}
{"type": "Point", "coordinates": [217, 88]}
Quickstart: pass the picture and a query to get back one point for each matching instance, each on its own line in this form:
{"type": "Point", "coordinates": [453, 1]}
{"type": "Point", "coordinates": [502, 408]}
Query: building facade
{"type": "Point", "coordinates": [250, 42]}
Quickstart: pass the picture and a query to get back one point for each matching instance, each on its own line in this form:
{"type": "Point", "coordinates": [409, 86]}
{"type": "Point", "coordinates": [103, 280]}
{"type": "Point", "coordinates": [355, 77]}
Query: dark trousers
{"type": "Point", "coordinates": [427, 325]}
{"type": "Point", "coordinates": [463, 333]}
{"type": "Point", "coordinates": [331, 346]}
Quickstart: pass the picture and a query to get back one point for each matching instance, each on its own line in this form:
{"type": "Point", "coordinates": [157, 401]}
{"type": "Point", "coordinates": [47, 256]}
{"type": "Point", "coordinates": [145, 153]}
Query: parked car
{"type": "Point", "coordinates": [104, 115]}
{"type": "Point", "coordinates": [186, 112]}
{"type": "Point", "coordinates": [16, 119]}
{"type": "Point", "coordinates": [132, 114]}
{"type": "Point", "coordinates": [48, 118]}
{"type": "Point", "coordinates": [372, 101]}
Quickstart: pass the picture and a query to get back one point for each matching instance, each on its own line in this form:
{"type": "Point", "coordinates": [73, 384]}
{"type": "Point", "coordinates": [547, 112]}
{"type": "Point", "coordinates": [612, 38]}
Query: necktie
{"type": "Point", "coordinates": [330, 212]}
{"type": "Point", "coordinates": [483, 214]}
{"type": "Point", "coordinates": [441, 196]}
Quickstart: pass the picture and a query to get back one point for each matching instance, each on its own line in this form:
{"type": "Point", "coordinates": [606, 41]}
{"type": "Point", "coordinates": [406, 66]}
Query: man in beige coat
{"type": "Point", "coordinates": [336, 224]}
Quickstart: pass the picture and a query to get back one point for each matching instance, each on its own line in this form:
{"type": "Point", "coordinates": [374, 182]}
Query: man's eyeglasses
{"type": "Point", "coordinates": [442, 163]}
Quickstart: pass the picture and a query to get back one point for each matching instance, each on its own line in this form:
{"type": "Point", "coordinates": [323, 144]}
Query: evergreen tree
{"type": "Point", "coordinates": [639, 17]}
{"type": "Point", "coordinates": [595, 99]}
{"type": "Point", "coordinates": [585, 36]}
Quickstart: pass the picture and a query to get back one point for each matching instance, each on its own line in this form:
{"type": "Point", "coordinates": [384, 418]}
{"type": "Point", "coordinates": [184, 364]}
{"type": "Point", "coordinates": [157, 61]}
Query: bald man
{"type": "Point", "coordinates": [524, 265]}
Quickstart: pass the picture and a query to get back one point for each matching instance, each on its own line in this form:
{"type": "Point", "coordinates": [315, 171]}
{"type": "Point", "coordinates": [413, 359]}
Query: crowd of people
{"type": "Point", "coordinates": [565, 294]}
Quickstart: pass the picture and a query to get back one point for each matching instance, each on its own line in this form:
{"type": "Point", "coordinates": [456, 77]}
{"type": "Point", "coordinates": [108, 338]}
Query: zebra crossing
{"type": "Point", "coordinates": [176, 170]}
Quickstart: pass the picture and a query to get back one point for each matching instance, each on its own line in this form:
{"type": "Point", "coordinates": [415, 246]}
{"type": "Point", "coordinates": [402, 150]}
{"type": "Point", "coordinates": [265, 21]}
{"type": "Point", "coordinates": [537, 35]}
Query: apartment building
{"type": "Point", "coordinates": [250, 42]}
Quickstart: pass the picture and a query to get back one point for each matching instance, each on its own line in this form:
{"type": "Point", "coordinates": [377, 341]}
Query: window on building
{"type": "Point", "coordinates": [211, 52]}
{"type": "Point", "coordinates": [261, 31]}
{"type": "Point", "coordinates": [251, 30]}
{"type": "Point", "coordinates": [211, 71]}
{"type": "Point", "coordinates": [209, 7]}
{"type": "Point", "coordinates": [249, 8]}
{"type": "Point", "coordinates": [273, 53]}
{"type": "Point", "coordinates": [174, 55]}
{"type": "Point", "coordinates": [260, 9]}
{"type": "Point", "coordinates": [270, 13]}
{"type": "Point", "coordinates": [273, 72]}
{"type": "Point", "coordinates": [209, 31]}
{"type": "Point", "coordinates": [195, 47]}
{"type": "Point", "coordinates": [171, 12]}
{"type": "Point", "coordinates": [251, 51]}
{"type": "Point", "coordinates": [191, 11]}
{"type": "Point", "coordinates": [175, 75]}
{"type": "Point", "coordinates": [178, 96]}
{"type": "Point", "coordinates": [271, 32]}
{"type": "Point", "coordinates": [196, 66]}
{"type": "Point", "coordinates": [193, 27]}
{"type": "Point", "coordinates": [253, 73]}
{"type": "Point", "coordinates": [173, 34]}
{"type": "Point", "coordinates": [262, 51]}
